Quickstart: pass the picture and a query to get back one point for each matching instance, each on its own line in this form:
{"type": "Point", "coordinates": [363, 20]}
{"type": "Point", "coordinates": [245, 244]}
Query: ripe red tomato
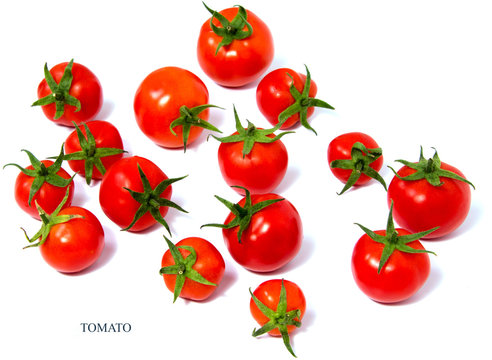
{"type": "Point", "coordinates": [355, 165]}
{"type": "Point", "coordinates": [102, 147]}
{"type": "Point", "coordinates": [270, 239]}
{"type": "Point", "coordinates": [234, 52]}
{"type": "Point", "coordinates": [207, 262]}
{"type": "Point", "coordinates": [69, 93]}
{"type": "Point", "coordinates": [119, 204]}
{"type": "Point", "coordinates": [44, 183]}
{"type": "Point", "coordinates": [74, 245]}
{"type": "Point", "coordinates": [420, 204]}
{"type": "Point", "coordinates": [402, 275]}
{"type": "Point", "coordinates": [163, 97]}
{"type": "Point", "coordinates": [283, 312]}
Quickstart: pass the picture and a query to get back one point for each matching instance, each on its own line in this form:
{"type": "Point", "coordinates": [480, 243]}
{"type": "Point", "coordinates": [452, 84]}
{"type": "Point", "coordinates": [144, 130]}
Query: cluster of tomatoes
{"type": "Point", "coordinates": [263, 231]}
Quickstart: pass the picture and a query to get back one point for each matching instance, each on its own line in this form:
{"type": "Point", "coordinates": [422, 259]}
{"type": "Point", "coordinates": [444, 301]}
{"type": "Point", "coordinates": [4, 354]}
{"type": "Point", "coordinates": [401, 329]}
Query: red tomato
{"type": "Point", "coordinates": [106, 136]}
{"type": "Point", "coordinates": [260, 171]}
{"type": "Point", "coordinates": [209, 264]}
{"type": "Point", "coordinates": [158, 101]}
{"type": "Point", "coordinates": [272, 239]}
{"type": "Point", "coordinates": [74, 245]}
{"type": "Point", "coordinates": [48, 196]}
{"type": "Point", "coordinates": [273, 95]}
{"type": "Point", "coordinates": [419, 205]}
{"type": "Point", "coordinates": [402, 275]}
{"type": "Point", "coordinates": [243, 60]}
{"type": "Point", "coordinates": [85, 87]}
{"type": "Point", "coordinates": [118, 203]}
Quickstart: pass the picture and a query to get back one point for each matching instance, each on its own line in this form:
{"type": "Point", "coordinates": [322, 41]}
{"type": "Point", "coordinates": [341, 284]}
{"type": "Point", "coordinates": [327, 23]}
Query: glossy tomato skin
{"type": "Point", "coordinates": [273, 95]}
{"type": "Point", "coordinates": [402, 275]}
{"type": "Point", "coordinates": [76, 244]}
{"type": "Point", "coordinates": [268, 293]}
{"type": "Point", "coordinates": [209, 263]}
{"type": "Point", "coordinates": [242, 61]}
{"type": "Point", "coordinates": [48, 196]}
{"type": "Point", "coordinates": [261, 171]}
{"type": "Point", "coordinates": [272, 239]}
{"type": "Point", "coordinates": [340, 149]}
{"type": "Point", "coordinates": [118, 204]}
{"type": "Point", "coordinates": [85, 87]}
{"type": "Point", "coordinates": [158, 100]}
{"type": "Point", "coordinates": [419, 206]}
{"type": "Point", "coordinates": [106, 135]}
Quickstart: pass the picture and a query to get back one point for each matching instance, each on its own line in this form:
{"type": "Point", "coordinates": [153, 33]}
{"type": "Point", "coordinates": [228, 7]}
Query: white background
{"type": "Point", "coordinates": [407, 73]}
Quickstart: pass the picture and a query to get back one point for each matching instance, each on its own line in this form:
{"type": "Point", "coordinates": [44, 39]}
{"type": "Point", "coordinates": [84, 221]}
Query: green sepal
{"type": "Point", "coordinates": [392, 241]}
{"type": "Point", "coordinates": [430, 170]}
{"type": "Point", "coordinates": [230, 30]}
{"type": "Point", "coordinates": [183, 268]}
{"type": "Point", "coordinates": [150, 200]}
{"type": "Point", "coordinates": [42, 174]}
{"type": "Point", "coordinates": [242, 215]}
{"type": "Point", "coordinates": [278, 318]}
{"type": "Point", "coordinates": [188, 118]}
{"type": "Point", "coordinates": [251, 135]}
{"type": "Point", "coordinates": [302, 102]}
{"type": "Point", "coordinates": [361, 158]}
{"type": "Point", "coordinates": [49, 220]}
{"type": "Point", "coordinates": [59, 92]}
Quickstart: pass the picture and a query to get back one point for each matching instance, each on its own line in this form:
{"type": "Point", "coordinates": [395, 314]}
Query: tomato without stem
{"type": "Point", "coordinates": [231, 52]}
{"type": "Point", "coordinates": [70, 93]}
{"type": "Point", "coordinates": [200, 276]}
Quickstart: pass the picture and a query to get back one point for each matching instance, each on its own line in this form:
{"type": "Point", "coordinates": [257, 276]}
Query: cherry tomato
{"type": "Point", "coordinates": [102, 151]}
{"type": "Point", "coordinates": [355, 165]}
{"type": "Point", "coordinates": [208, 263]}
{"type": "Point", "coordinates": [79, 100]}
{"type": "Point", "coordinates": [285, 311]}
{"type": "Point", "coordinates": [158, 103]}
{"type": "Point", "coordinates": [122, 181]}
{"type": "Point", "coordinates": [231, 61]}
{"type": "Point", "coordinates": [420, 204]}
{"type": "Point", "coordinates": [74, 245]}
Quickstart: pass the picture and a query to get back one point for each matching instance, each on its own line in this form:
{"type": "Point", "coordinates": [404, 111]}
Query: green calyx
{"type": "Point", "coordinates": [188, 118]}
{"type": "Point", "coordinates": [430, 170]}
{"type": "Point", "coordinates": [59, 92]}
{"type": "Point", "coordinates": [302, 103]}
{"type": "Point", "coordinates": [183, 268]}
{"type": "Point", "coordinates": [251, 135]}
{"type": "Point", "coordinates": [150, 200]}
{"type": "Point", "coordinates": [90, 153]}
{"type": "Point", "coordinates": [49, 220]}
{"type": "Point", "coordinates": [230, 30]}
{"type": "Point", "coordinates": [392, 241]}
{"type": "Point", "coordinates": [279, 318]}
{"type": "Point", "coordinates": [41, 173]}
{"type": "Point", "coordinates": [361, 158]}
{"type": "Point", "coordinates": [242, 215]}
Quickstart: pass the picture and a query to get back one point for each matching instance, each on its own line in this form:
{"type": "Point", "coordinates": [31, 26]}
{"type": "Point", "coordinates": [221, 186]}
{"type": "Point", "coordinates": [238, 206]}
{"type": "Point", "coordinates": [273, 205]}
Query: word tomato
{"type": "Point", "coordinates": [192, 269]}
{"type": "Point", "coordinates": [234, 47]}
{"type": "Point", "coordinates": [69, 93]}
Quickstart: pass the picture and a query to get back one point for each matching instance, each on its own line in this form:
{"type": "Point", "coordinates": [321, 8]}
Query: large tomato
{"type": "Point", "coordinates": [172, 96]}
{"type": "Point", "coordinates": [135, 194]}
{"type": "Point", "coordinates": [278, 306]}
{"type": "Point", "coordinates": [234, 47]}
{"type": "Point", "coordinates": [270, 239]}
{"type": "Point", "coordinates": [287, 96]}
{"type": "Point", "coordinates": [90, 153]}
{"type": "Point", "coordinates": [70, 92]}
{"type": "Point", "coordinates": [354, 159]}
{"type": "Point", "coordinates": [199, 264]}
{"type": "Point", "coordinates": [430, 193]}
{"type": "Point", "coordinates": [44, 183]}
